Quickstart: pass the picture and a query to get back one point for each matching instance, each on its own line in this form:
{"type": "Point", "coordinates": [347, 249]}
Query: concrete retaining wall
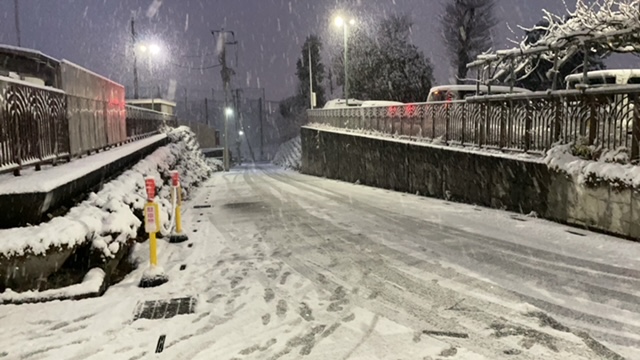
{"type": "Point", "coordinates": [32, 208]}
{"type": "Point", "coordinates": [519, 185]}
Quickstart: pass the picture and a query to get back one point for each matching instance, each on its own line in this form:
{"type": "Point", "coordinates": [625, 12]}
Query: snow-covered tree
{"type": "Point", "coordinates": [386, 65]}
{"type": "Point", "coordinates": [466, 26]}
{"type": "Point", "coordinates": [302, 70]}
{"type": "Point", "coordinates": [595, 29]}
{"type": "Point", "coordinates": [540, 77]}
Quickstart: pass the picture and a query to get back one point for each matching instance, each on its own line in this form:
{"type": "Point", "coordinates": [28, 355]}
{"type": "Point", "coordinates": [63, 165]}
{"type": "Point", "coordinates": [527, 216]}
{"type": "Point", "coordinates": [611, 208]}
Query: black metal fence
{"type": "Point", "coordinates": [43, 125]}
{"type": "Point", "coordinates": [533, 122]}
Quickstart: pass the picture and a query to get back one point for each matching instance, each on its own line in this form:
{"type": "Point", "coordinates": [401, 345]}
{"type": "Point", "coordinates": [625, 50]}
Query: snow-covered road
{"type": "Point", "coordinates": [287, 266]}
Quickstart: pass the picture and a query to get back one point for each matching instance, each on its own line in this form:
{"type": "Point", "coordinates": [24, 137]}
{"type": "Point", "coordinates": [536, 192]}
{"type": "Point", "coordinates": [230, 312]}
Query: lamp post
{"type": "Point", "coordinates": [227, 113]}
{"type": "Point", "coordinates": [341, 22]}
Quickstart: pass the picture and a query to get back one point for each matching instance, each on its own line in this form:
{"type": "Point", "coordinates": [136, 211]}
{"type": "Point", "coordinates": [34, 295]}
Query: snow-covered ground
{"type": "Point", "coordinates": [289, 155]}
{"type": "Point", "coordinates": [287, 266]}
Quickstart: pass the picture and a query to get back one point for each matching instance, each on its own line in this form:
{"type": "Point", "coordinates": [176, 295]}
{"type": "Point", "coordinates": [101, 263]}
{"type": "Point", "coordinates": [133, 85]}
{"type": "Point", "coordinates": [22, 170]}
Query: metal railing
{"type": "Point", "coordinates": [530, 122]}
{"type": "Point", "coordinates": [143, 122]}
{"type": "Point", "coordinates": [41, 125]}
{"type": "Point", "coordinates": [33, 125]}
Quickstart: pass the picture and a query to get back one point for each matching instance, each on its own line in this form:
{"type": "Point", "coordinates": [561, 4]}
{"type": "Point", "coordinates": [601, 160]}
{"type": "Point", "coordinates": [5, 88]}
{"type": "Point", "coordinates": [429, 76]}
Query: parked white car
{"type": "Point", "coordinates": [340, 103]}
{"type": "Point", "coordinates": [461, 92]}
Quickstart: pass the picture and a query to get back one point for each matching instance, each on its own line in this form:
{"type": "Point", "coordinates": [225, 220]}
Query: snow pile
{"type": "Point", "coordinates": [289, 155]}
{"type": "Point", "coordinates": [112, 216]}
{"type": "Point", "coordinates": [91, 284]}
{"type": "Point", "coordinates": [560, 158]}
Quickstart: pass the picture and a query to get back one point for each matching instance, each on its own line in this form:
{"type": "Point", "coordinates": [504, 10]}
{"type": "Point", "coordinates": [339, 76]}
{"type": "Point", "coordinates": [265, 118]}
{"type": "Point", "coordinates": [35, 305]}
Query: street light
{"type": "Point", "coordinates": [154, 49]}
{"type": "Point", "coordinates": [340, 22]}
{"type": "Point", "coordinates": [241, 133]}
{"type": "Point", "coordinates": [228, 112]}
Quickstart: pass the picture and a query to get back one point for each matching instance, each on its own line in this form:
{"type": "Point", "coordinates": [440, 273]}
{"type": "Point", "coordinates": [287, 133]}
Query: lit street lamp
{"type": "Point", "coordinates": [341, 22]}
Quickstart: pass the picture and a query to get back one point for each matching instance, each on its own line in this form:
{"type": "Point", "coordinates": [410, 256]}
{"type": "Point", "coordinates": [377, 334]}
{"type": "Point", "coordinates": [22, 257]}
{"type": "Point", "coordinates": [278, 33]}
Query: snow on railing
{"type": "Point", "coordinates": [531, 122]}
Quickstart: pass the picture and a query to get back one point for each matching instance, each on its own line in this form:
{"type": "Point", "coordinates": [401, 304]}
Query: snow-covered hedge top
{"type": "Point", "coordinates": [560, 158]}
{"type": "Point", "coordinates": [107, 218]}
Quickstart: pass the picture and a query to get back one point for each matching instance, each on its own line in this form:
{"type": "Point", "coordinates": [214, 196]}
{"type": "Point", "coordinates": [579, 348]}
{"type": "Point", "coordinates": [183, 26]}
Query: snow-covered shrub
{"type": "Point", "coordinates": [289, 155]}
{"type": "Point", "coordinates": [594, 173]}
{"type": "Point", "coordinates": [112, 216]}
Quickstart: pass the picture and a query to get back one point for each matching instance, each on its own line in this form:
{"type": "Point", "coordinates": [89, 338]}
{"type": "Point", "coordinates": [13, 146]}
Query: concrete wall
{"type": "Point", "coordinates": [519, 185]}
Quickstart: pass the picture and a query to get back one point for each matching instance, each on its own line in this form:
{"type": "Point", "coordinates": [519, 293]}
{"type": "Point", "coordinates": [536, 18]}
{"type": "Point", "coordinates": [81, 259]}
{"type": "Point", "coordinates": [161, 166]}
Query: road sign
{"type": "Point", "coordinates": [150, 186]}
{"type": "Point", "coordinates": [151, 220]}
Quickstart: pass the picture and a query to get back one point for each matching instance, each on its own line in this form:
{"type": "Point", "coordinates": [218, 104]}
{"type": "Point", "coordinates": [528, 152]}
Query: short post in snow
{"type": "Point", "coordinates": [154, 275]}
{"type": "Point", "coordinates": [176, 194]}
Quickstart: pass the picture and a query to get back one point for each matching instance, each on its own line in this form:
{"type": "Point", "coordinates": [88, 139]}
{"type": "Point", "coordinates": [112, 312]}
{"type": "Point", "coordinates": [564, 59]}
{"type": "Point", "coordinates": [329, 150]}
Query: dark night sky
{"type": "Point", "coordinates": [95, 34]}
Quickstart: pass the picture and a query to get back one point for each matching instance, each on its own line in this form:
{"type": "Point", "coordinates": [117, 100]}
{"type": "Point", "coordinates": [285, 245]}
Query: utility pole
{"type": "Point", "coordinates": [260, 112]}
{"type": "Point", "coordinates": [206, 112]}
{"type": "Point", "coordinates": [226, 74]}
{"type": "Point", "coordinates": [17, 20]}
{"type": "Point", "coordinates": [311, 94]}
{"type": "Point", "coordinates": [136, 94]}
{"type": "Point", "coordinates": [236, 103]}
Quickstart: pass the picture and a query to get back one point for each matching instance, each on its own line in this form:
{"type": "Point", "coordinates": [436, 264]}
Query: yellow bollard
{"type": "Point", "coordinates": [153, 252]}
{"type": "Point", "coordinates": [154, 276]}
{"type": "Point", "coordinates": [176, 195]}
{"type": "Point", "coordinates": [178, 220]}
{"type": "Point", "coordinates": [152, 225]}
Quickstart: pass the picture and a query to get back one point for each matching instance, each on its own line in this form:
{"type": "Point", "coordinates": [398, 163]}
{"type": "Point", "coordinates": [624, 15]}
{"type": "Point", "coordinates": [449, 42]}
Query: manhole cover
{"type": "Point", "coordinates": [164, 309]}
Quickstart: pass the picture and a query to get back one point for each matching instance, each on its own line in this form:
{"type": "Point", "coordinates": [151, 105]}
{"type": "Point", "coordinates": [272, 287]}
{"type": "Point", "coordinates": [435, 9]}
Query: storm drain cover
{"type": "Point", "coordinates": [202, 207]}
{"type": "Point", "coordinates": [164, 309]}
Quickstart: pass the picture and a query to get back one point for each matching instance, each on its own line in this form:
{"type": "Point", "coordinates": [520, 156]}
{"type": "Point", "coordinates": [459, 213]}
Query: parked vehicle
{"type": "Point", "coordinates": [341, 103]}
{"type": "Point", "coordinates": [380, 103]}
{"type": "Point", "coordinates": [618, 109]}
{"type": "Point", "coordinates": [461, 92]}
{"type": "Point", "coordinates": [602, 78]}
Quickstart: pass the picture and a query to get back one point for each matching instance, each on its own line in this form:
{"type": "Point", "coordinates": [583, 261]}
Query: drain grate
{"type": "Point", "coordinates": [202, 207]}
{"type": "Point", "coordinates": [164, 309]}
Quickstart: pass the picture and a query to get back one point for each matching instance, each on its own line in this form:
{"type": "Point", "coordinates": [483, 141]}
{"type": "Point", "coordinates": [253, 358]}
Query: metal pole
{"type": "Point", "coordinates": [226, 73]}
{"type": "Point", "coordinates": [206, 111]}
{"type": "Point", "coordinates": [17, 20]}
{"type": "Point", "coordinates": [237, 123]}
{"type": "Point", "coordinates": [346, 65]}
{"type": "Point", "coordinates": [226, 131]}
{"type": "Point", "coordinates": [260, 112]}
{"type": "Point", "coordinates": [136, 94]}
{"type": "Point", "coordinates": [310, 78]}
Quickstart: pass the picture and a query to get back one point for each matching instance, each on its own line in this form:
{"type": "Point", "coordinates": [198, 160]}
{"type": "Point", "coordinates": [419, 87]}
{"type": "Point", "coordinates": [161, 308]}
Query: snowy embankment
{"type": "Point", "coordinates": [112, 217]}
{"type": "Point", "coordinates": [289, 155]}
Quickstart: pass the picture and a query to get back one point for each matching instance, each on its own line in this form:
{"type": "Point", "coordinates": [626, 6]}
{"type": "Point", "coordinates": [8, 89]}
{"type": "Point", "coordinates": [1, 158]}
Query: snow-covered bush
{"type": "Point", "coordinates": [606, 168]}
{"type": "Point", "coordinates": [289, 155]}
{"type": "Point", "coordinates": [112, 216]}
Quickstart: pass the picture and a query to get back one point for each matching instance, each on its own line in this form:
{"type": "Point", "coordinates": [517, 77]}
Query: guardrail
{"type": "Point", "coordinates": [532, 122]}
{"type": "Point", "coordinates": [40, 125]}
{"type": "Point", "coordinates": [33, 125]}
